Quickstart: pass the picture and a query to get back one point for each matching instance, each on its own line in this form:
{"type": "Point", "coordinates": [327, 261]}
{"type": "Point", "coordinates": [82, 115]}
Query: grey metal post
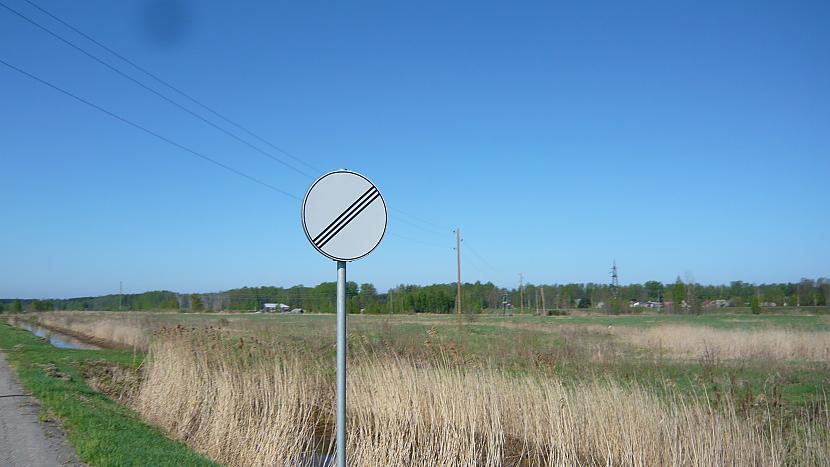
{"type": "Point", "coordinates": [341, 364]}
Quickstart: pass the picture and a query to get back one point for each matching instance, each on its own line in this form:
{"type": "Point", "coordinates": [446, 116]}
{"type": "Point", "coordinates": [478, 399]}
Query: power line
{"type": "Point", "coordinates": [170, 86]}
{"type": "Point", "coordinates": [148, 88]}
{"type": "Point", "coordinates": [183, 108]}
{"type": "Point", "coordinates": [405, 221]}
{"type": "Point", "coordinates": [148, 131]}
{"type": "Point", "coordinates": [426, 222]}
{"type": "Point", "coordinates": [176, 144]}
{"type": "Point", "coordinates": [474, 263]}
{"type": "Point", "coordinates": [476, 254]}
{"type": "Point", "coordinates": [393, 234]}
{"type": "Point", "coordinates": [189, 97]}
{"type": "Point", "coordinates": [180, 92]}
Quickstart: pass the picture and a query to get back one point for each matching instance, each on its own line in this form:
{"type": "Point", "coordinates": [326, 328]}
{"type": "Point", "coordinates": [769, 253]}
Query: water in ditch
{"type": "Point", "coordinates": [61, 341]}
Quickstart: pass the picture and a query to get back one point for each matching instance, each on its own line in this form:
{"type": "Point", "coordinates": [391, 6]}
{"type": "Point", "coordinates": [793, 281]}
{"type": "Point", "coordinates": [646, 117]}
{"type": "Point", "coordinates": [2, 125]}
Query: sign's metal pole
{"type": "Point", "coordinates": [341, 364]}
{"type": "Point", "coordinates": [330, 207]}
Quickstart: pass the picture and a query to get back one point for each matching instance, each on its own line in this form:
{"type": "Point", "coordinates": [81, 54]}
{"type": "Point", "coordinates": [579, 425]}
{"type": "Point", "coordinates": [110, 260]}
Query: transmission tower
{"type": "Point", "coordinates": [615, 283]}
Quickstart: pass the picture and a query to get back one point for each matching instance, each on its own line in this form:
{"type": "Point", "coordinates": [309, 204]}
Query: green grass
{"type": "Point", "coordinates": [716, 320]}
{"type": "Point", "coordinates": [525, 345]}
{"type": "Point", "coordinates": [102, 431]}
{"type": "Point", "coordinates": [731, 318]}
{"type": "Point", "coordinates": [792, 384]}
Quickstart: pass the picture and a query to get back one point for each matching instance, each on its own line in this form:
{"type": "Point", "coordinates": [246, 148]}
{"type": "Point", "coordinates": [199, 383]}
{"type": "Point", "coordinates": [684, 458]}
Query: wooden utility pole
{"type": "Point", "coordinates": [536, 299]}
{"type": "Point", "coordinates": [458, 259]}
{"type": "Point", "coordinates": [521, 294]}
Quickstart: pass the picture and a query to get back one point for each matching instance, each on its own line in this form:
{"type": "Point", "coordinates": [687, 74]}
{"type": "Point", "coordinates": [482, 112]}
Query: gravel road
{"type": "Point", "coordinates": [24, 441]}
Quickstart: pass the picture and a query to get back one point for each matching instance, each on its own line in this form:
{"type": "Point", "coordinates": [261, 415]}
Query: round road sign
{"type": "Point", "coordinates": [344, 215]}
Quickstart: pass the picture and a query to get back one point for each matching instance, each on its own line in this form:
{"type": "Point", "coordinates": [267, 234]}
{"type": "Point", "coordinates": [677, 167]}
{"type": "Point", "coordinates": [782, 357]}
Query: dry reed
{"type": "Point", "coordinates": [762, 344]}
{"type": "Point", "coordinates": [228, 405]}
{"type": "Point", "coordinates": [124, 330]}
{"type": "Point", "coordinates": [249, 402]}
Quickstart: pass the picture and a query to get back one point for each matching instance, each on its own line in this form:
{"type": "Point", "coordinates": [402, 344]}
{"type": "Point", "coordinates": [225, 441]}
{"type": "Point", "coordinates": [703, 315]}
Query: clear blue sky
{"type": "Point", "coordinates": [679, 138]}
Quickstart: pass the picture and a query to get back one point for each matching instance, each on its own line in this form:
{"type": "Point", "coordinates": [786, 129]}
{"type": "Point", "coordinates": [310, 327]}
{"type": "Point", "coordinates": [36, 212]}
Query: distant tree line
{"type": "Point", "coordinates": [155, 300]}
{"type": "Point", "coordinates": [678, 297]}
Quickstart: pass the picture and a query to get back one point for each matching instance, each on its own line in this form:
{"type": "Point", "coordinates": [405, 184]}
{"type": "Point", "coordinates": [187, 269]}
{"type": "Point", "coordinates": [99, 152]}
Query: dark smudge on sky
{"type": "Point", "coordinates": [166, 22]}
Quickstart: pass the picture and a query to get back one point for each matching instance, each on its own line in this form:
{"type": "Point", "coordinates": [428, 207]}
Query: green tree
{"type": "Point", "coordinates": [824, 284]}
{"type": "Point", "coordinates": [755, 305]}
{"type": "Point", "coordinates": [678, 294]}
{"type": "Point", "coordinates": [614, 305]}
{"type": "Point", "coordinates": [693, 297]}
{"type": "Point", "coordinates": [196, 303]}
{"type": "Point", "coordinates": [368, 298]}
{"type": "Point", "coordinates": [17, 306]}
{"type": "Point", "coordinates": [806, 292]}
{"type": "Point", "coordinates": [654, 290]}
{"type": "Point", "coordinates": [635, 292]}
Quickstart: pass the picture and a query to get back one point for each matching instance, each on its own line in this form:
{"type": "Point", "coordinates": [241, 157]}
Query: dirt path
{"type": "Point", "coordinates": [24, 441]}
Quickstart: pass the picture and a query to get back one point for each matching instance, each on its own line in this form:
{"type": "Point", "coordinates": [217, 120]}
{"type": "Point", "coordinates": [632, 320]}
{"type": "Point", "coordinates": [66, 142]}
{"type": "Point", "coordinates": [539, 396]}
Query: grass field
{"type": "Point", "coordinates": [102, 431]}
{"type": "Point", "coordinates": [736, 389]}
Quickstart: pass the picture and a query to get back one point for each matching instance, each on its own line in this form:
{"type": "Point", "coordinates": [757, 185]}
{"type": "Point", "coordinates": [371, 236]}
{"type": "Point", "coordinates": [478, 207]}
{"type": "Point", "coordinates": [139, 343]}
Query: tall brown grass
{"type": "Point", "coordinates": [761, 344]}
{"type": "Point", "coordinates": [124, 330]}
{"type": "Point", "coordinates": [253, 402]}
{"type": "Point", "coordinates": [414, 399]}
{"type": "Point", "coordinates": [239, 404]}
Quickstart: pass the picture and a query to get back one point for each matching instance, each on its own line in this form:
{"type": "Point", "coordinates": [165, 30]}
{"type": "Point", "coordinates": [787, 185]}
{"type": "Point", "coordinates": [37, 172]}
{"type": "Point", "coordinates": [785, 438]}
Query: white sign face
{"type": "Point", "coordinates": [344, 215]}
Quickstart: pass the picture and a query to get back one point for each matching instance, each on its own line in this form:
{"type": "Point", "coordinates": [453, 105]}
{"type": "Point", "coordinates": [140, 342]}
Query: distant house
{"type": "Point", "coordinates": [715, 303]}
{"type": "Point", "coordinates": [648, 304]}
{"type": "Point", "coordinates": [269, 307]}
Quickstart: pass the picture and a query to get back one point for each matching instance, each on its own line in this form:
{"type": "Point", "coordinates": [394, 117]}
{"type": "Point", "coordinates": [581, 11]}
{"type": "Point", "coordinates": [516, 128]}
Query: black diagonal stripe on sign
{"type": "Point", "coordinates": [365, 205]}
{"type": "Point", "coordinates": [352, 214]}
{"type": "Point", "coordinates": [331, 226]}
